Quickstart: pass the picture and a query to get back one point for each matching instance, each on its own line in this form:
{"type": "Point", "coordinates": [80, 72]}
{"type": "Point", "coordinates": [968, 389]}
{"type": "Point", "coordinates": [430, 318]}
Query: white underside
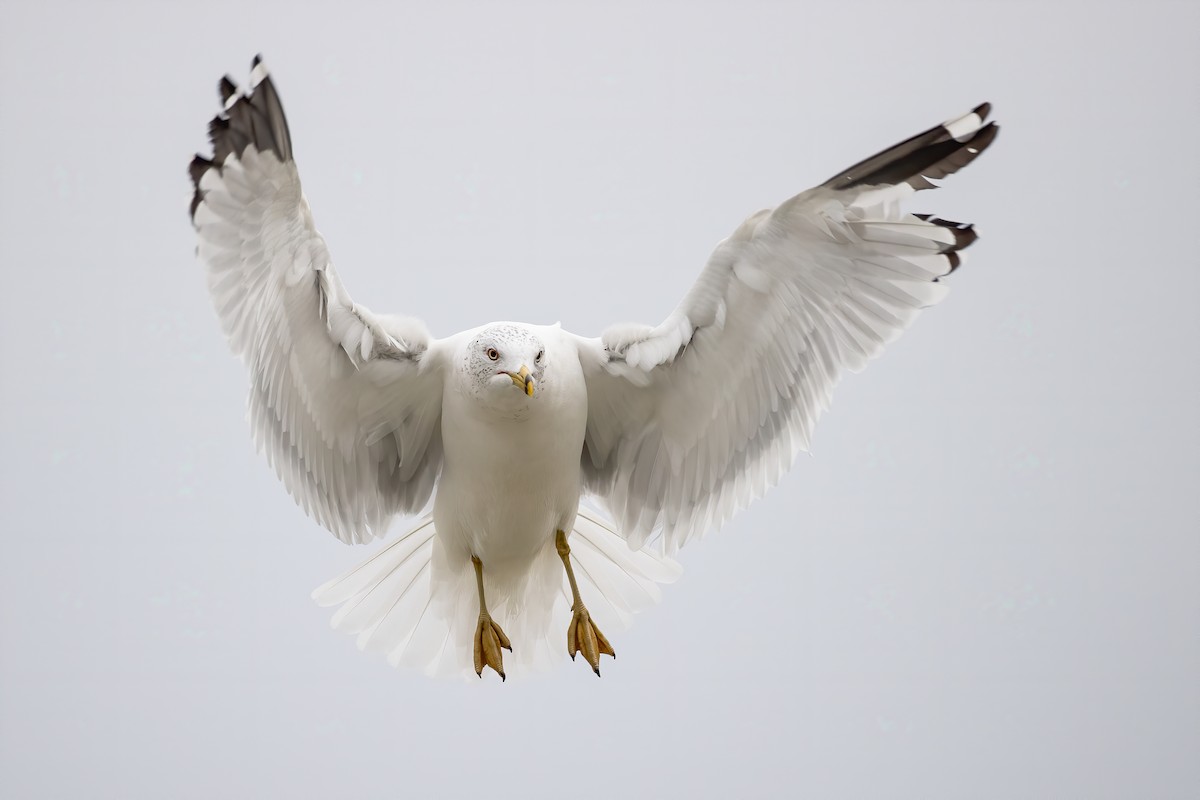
{"type": "Point", "coordinates": [416, 604]}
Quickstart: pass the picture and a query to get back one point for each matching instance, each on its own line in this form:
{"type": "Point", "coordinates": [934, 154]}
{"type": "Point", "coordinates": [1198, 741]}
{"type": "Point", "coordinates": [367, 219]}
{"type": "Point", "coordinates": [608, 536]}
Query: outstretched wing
{"type": "Point", "coordinates": [345, 404]}
{"type": "Point", "coordinates": [693, 419]}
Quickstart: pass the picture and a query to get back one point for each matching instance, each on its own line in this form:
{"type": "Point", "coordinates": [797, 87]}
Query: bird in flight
{"type": "Point", "coordinates": [669, 428]}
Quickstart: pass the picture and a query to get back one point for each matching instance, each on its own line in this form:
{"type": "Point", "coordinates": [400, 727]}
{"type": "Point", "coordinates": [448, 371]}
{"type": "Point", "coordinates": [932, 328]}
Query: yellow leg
{"type": "Point", "coordinates": [582, 633]}
{"type": "Point", "coordinates": [488, 636]}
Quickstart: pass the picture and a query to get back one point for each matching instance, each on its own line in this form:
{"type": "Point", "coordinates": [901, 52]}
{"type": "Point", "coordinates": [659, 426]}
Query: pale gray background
{"type": "Point", "coordinates": [983, 584]}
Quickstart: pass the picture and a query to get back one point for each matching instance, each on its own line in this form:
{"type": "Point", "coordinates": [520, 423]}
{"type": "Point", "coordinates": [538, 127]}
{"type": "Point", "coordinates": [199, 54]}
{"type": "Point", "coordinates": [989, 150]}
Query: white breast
{"type": "Point", "coordinates": [508, 483]}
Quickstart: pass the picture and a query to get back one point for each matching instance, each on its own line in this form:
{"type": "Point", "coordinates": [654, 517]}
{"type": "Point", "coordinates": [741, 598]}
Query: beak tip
{"type": "Point", "coordinates": [523, 379]}
{"type": "Point", "coordinates": [527, 379]}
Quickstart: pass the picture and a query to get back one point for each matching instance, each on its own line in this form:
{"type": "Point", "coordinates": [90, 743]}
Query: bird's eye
{"type": "Point", "coordinates": [492, 354]}
{"type": "Point", "coordinates": [539, 355]}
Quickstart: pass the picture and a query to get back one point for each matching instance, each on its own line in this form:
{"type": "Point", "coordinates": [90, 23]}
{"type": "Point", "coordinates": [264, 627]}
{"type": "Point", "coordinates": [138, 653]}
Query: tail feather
{"type": "Point", "coordinates": [418, 606]}
{"type": "Point", "coordinates": [625, 581]}
{"type": "Point", "coordinates": [358, 583]}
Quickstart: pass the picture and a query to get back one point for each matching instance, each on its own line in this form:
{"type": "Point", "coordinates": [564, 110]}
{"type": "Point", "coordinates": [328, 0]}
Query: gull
{"type": "Point", "coordinates": [497, 433]}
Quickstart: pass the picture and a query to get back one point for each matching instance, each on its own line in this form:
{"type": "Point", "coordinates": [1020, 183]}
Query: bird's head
{"type": "Point", "coordinates": [505, 365]}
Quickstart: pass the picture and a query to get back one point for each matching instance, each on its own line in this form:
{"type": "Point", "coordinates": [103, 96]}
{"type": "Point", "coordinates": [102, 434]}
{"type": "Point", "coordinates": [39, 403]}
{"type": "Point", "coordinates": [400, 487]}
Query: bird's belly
{"type": "Point", "coordinates": [505, 489]}
{"type": "Point", "coordinates": [500, 521]}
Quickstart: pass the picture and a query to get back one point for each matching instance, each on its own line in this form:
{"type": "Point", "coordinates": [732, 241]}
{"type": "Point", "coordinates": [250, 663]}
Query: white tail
{"type": "Point", "coordinates": [419, 607]}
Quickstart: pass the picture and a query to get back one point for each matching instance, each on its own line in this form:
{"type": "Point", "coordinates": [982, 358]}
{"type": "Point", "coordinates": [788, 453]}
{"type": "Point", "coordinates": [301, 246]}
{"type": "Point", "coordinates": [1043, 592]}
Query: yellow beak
{"type": "Point", "coordinates": [523, 379]}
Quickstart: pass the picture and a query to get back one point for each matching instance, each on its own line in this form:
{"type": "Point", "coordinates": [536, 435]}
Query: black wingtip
{"type": "Point", "coordinates": [253, 117]}
{"type": "Point", "coordinates": [965, 237]}
{"type": "Point", "coordinates": [198, 167]}
{"type": "Point", "coordinates": [921, 159]}
{"type": "Point", "coordinates": [955, 260]}
{"type": "Point", "coordinates": [964, 233]}
{"type": "Point", "coordinates": [196, 170]}
{"type": "Point", "coordinates": [984, 137]}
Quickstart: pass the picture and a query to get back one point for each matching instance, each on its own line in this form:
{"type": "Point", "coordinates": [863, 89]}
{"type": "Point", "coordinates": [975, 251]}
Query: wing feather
{"type": "Point", "coordinates": [693, 419]}
{"type": "Point", "coordinates": [345, 404]}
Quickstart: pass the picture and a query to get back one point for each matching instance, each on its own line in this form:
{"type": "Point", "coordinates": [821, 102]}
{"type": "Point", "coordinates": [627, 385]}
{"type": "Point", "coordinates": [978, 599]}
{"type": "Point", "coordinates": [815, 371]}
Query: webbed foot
{"type": "Point", "coordinates": [583, 636]}
{"type": "Point", "coordinates": [489, 639]}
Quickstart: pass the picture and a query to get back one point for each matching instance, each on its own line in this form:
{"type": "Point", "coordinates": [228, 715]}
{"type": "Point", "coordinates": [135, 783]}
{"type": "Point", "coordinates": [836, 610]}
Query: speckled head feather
{"type": "Point", "coordinates": [495, 353]}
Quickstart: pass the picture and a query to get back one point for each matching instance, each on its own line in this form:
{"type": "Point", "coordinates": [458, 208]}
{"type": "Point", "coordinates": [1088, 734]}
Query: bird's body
{"type": "Point", "coordinates": [508, 481]}
{"type": "Point", "coordinates": [672, 428]}
{"type": "Point", "coordinates": [513, 469]}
